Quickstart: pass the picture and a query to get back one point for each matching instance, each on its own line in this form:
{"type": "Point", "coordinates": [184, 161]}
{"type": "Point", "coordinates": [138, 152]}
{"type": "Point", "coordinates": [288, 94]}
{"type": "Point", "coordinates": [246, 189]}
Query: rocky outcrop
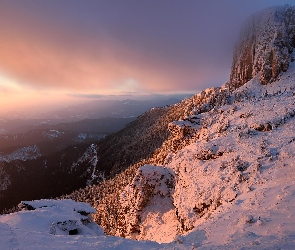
{"type": "Point", "coordinates": [150, 182]}
{"type": "Point", "coordinates": [59, 217]}
{"type": "Point", "coordinates": [265, 47]}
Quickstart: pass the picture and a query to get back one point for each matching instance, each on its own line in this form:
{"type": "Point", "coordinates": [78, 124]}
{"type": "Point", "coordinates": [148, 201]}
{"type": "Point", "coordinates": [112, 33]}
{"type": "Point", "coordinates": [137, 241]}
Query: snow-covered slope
{"type": "Point", "coordinates": [223, 178]}
{"type": "Point", "coordinates": [231, 187]}
{"type": "Point", "coordinates": [226, 160]}
{"type": "Point", "coordinates": [239, 160]}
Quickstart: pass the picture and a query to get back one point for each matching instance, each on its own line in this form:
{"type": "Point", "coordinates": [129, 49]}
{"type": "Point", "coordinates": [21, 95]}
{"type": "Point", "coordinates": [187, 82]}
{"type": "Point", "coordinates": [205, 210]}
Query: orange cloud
{"type": "Point", "coordinates": [46, 56]}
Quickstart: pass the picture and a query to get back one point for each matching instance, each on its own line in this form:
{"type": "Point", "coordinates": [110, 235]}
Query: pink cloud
{"type": "Point", "coordinates": [50, 56]}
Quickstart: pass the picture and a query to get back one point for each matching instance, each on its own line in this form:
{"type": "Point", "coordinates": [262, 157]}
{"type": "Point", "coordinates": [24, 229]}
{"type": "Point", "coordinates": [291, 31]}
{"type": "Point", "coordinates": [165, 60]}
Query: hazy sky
{"type": "Point", "coordinates": [54, 50]}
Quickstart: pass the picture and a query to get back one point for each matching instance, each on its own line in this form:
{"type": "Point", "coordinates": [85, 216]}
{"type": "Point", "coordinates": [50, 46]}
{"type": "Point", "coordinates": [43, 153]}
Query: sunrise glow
{"type": "Point", "coordinates": [51, 50]}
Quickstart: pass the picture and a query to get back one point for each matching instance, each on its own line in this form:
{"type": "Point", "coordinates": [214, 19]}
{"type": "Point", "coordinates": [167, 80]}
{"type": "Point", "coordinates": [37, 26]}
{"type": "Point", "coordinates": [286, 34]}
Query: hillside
{"type": "Point", "coordinates": [55, 159]}
{"type": "Point", "coordinates": [215, 171]}
{"type": "Point", "coordinates": [225, 142]}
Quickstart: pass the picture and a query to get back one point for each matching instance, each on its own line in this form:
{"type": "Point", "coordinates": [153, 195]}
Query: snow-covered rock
{"type": "Point", "coordinates": [147, 196]}
{"type": "Point", "coordinates": [265, 48]}
{"type": "Point", "coordinates": [59, 224]}
{"type": "Point", "coordinates": [58, 217]}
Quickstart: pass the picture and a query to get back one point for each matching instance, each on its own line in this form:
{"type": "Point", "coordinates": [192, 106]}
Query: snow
{"type": "Point", "coordinates": [265, 46]}
{"type": "Point", "coordinates": [23, 154]}
{"type": "Point", "coordinates": [82, 136]}
{"type": "Point", "coordinates": [52, 134]}
{"type": "Point", "coordinates": [253, 179]}
{"type": "Point", "coordinates": [91, 157]}
{"type": "Point", "coordinates": [67, 204]}
{"type": "Point", "coordinates": [149, 196]}
{"type": "Point", "coordinates": [259, 219]}
{"type": "Point", "coordinates": [33, 229]}
{"type": "Point", "coordinates": [232, 188]}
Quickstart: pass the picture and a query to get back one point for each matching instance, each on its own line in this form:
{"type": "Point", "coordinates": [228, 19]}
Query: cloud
{"type": "Point", "coordinates": [103, 68]}
{"type": "Point", "coordinates": [45, 55]}
{"type": "Point", "coordinates": [91, 96]}
{"type": "Point", "coordinates": [96, 47]}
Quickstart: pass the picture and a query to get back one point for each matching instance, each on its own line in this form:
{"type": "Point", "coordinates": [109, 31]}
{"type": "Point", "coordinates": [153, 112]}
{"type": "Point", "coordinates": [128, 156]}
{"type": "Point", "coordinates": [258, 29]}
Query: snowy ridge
{"type": "Point", "coordinates": [229, 188]}
{"type": "Point", "coordinates": [233, 150]}
{"type": "Point", "coordinates": [23, 154]}
{"type": "Point", "coordinates": [215, 158]}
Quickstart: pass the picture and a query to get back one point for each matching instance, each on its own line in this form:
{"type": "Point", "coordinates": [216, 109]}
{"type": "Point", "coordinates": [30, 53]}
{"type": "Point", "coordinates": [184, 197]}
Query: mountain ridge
{"type": "Point", "coordinates": [215, 170]}
{"type": "Point", "coordinates": [204, 118]}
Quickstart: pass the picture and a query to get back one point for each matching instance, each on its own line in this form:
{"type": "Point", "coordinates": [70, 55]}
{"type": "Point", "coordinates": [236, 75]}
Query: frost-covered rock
{"type": "Point", "coordinates": [149, 183]}
{"type": "Point", "coordinates": [266, 46]}
{"type": "Point", "coordinates": [57, 217]}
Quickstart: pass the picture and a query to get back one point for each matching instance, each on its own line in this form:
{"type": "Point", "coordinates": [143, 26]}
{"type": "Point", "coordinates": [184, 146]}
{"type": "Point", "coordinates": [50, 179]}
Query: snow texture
{"type": "Point", "coordinates": [52, 134]}
{"type": "Point", "coordinates": [58, 224]}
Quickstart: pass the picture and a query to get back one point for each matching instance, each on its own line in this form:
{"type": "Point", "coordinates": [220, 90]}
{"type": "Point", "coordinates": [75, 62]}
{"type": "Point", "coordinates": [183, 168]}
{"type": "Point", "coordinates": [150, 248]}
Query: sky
{"type": "Point", "coordinates": [55, 52]}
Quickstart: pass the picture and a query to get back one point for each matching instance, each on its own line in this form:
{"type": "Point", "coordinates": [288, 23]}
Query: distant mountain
{"type": "Point", "coordinates": [92, 110]}
{"type": "Point", "coordinates": [52, 138]}
{"type": "Point", "coordinates": [107, 108]}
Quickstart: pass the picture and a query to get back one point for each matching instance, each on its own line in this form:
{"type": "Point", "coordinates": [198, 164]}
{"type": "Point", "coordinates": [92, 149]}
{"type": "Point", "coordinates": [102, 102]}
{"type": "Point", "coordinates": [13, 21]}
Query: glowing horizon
{"type": "Point", "coordinates": [59, 51]}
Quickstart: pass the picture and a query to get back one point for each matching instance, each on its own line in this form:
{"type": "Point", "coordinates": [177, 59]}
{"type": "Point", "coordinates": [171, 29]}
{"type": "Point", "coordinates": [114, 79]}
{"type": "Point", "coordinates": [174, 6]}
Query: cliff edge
{"type": "Point", "coordinates": [266, 46]}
